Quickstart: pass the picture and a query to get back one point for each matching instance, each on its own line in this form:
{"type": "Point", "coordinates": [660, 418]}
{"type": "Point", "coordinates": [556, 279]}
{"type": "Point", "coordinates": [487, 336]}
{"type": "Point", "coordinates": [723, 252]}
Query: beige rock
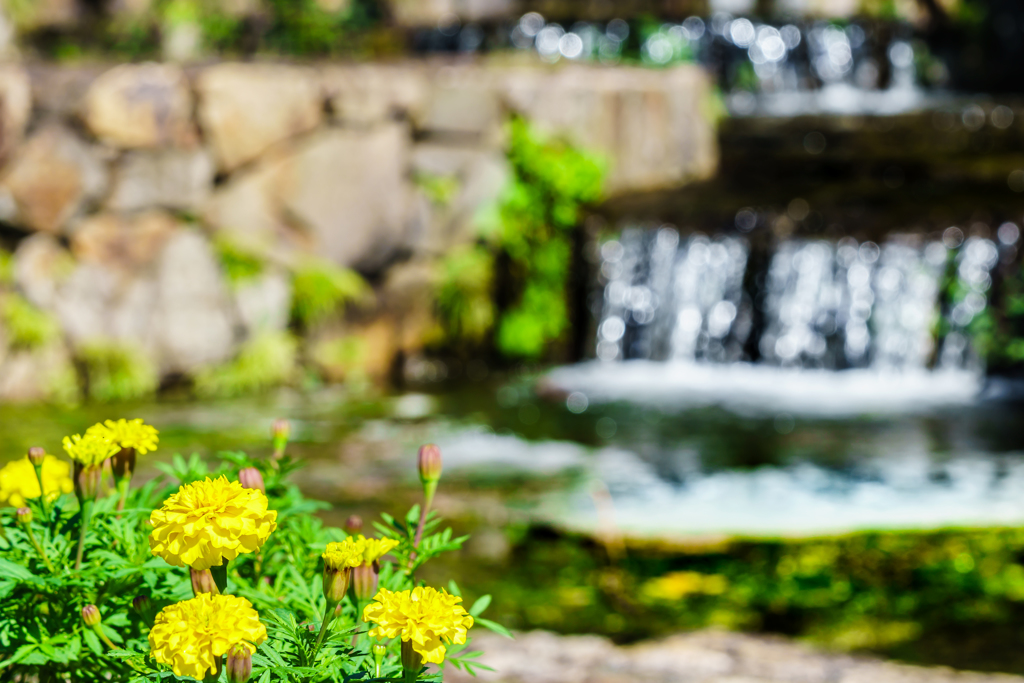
{"type": "Point", "coordinates": [481, 175]}
{"type": "Point", "coordinates": [349, 191]}
{"type": "Point", "coordinates": [366, 94]}
{"type": "Point", "coordinates": [45, 374]}
{"type": "Point", "coordinates": [40, 266]}
{"type": "Point", "coordinates": [648, 123]}
{"type": "Point", "coordinates": [168, 178]}
{"type": "Point", "coordinates": [264, 304]}
{"type": "Point", "coordinates": [246, 109]}
{"type": "Point", "coordinates": [192, 317]}
{"type": "Point", "coordinates": [420, 13]}
{"type": "Point", "coordinates": [702, 657]}
{"type": "Point", "coordinates": [342, 194]}
{"type": "Point", "coordinates": [51, 177]}
{"type": "Point", "coordinates": [130, 8]}
{"type": "Point", "coordinates": [47, 14]}
{"type": "Point", "coordinates": [464, 101]}
{"type": "Point", "coordinates": [58, 90]}
{"type": "Point", "coordinates": [15, 105]}
{"type": "Point", "coordinates": [122, 243]}
{"type": "Point", "coordinates": [140, 105]}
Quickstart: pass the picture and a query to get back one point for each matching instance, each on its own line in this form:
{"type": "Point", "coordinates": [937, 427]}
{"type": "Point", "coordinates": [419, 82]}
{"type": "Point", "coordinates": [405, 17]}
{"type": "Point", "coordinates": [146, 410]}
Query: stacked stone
{"type": "Point", "coordinates": [120, 179]}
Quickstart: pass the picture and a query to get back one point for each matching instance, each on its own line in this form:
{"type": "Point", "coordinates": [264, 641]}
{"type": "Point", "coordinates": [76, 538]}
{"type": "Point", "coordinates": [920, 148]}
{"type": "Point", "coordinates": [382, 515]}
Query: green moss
{"type": "Point", "coordinates": [531, 229]}
{"type": "Point", "coordinates": [266, 361]}
{"type": "Point", "coordinates": [27, 327]}
{"type": "Point", "coordinates": [320, 289]}
{"type": "Point", "coordinates": [117, 371]}
{"type": "Point", "coordinates": [441, 190]}
{"type": "Point", "coordinates": [465, 294]}
{"type": "Point", "coordinates": [239, 263]}
{"type": "Point", "coordinates": [342, 358]}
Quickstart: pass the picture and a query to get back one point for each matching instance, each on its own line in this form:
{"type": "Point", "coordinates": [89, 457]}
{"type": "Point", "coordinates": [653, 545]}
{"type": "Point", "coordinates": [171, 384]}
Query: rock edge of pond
{"type": "Point", "coordinates": [704, 656]}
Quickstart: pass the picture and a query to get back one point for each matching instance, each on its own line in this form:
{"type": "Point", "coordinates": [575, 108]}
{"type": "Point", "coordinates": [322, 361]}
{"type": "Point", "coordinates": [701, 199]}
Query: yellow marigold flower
{"type": "Point", "coordinates": [128, 434]}
{"type": "Point", "coordinates": [191, 636]}
{"type": "Point", "coordinates": [376, 548]}
{"type": "Point", "coordinates": [90, 450]}
{"type": "Point", "coordinates": [207, 522]}
{"type": "Point", "coordinates": [18, 481]}
{"type": "Point", "coordinates": [347, 553]}
{"type": "Point", "coordinates": [424, 616]}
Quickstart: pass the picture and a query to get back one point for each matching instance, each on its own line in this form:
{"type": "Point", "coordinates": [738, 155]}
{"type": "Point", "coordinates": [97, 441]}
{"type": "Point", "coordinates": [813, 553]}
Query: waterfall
{"type": "Point", "coordinates": [669, 301]}
{"type": "Point", "coordinates": [826, 305]}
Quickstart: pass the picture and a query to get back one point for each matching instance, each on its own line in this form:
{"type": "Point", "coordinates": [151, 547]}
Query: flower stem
{"type": "Point", "coordinates": [83, 528]}
{"type": "Point", "coordinates": [103, 636]}
{"type": "Point", "coordinates": [428, 499]}
{"type": "Point", "coordinates": [122, 488]}
{"type": "Point", "coordinates": [412, 662]}
{"type": "Point", "coordinates": [42, 493]}
{"type": "Point", "coordinates": [39, 549]}
{"type": "Point", "coordinates": [328, 618]}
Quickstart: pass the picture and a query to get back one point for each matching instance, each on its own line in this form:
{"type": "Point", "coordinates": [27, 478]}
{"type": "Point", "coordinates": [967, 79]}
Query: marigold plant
{"type": "Point", "coordinates": [195, 576]}
{"type": "Point", "coordinates": [18, 481]}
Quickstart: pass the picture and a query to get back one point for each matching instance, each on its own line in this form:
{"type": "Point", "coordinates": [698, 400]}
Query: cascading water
{"type": "Point", "coordinates": [845, 327]}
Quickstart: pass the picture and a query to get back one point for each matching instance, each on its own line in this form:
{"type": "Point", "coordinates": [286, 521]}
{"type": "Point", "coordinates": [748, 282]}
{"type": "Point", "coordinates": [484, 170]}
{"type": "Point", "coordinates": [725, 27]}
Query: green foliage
{"type": "Point", "coordinates": [899, 593]}
{"type": "Point", "coordinates": [538, 213]}
{"type": "Point", "coordinates": [43, 637]}
{"type": "Point", "coordinates": [265, 361]}
{"type": "Point", "coordinates": [320, 288]}
{"type": "Point", "coordinates": [27, 327]}
{"type": "Point", "coordinates": [441, 190]}
{"type": "Point", "coordinates": [239, 263]}
{"type": "Point", "coordinates": [997, 333]}
{"type": "Point", "coordinates": [465, 293]}
{"type": "Point", "coordinates": [532, 230]}
{"type": "Point", "coordinates": [117, 371]}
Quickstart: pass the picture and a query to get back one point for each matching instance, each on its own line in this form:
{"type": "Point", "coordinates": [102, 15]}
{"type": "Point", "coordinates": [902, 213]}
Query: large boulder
{"type": "Point", "coordinates": [41, 265]}
{"type": "Point", "coordinates": [15, 104]}
{"type": "Point", "coordinates": [45, 374]}
{"type": "Point", "coordinates": [342, 194]}
{"type": "Point", "coordinates": [649, 123]}
{"type": "Point", "coordinates": [192, 315]}
{"type": "Point", "coordinates": [480, 175]}
{"type": "Point", "coordinates": [246, 109]}
{"type": "Point", "coordinates": [463, 102]}
{"type": "Point", "coordinates": [367, 94]}
{"type": "Point", "coordinates": [168, 178]}
{"type": "Point", "coordinates": [140, 105]}
{"type": "Point", "coordinates": [51, 177]}
{"type": "Point", "coordinates": [263, 304]}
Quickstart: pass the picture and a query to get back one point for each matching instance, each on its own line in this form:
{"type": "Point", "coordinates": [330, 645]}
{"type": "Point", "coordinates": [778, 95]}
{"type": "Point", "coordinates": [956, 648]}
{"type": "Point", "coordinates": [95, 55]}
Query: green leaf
{"type": "Point", "coordinates": [494, 626]}
{"type": "Point", "coordinates": [480, 605]}
{"type": "Point", "coordinates": [92, 641]}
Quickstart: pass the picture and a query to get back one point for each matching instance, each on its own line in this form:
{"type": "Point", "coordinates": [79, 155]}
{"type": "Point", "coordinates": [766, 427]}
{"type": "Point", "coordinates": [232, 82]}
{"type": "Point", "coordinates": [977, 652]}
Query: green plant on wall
{"type": "Point", "coordinates": [117, 371]}
{"type": "Point", "coordinates": [530, 231]}
{"type": "Point", "coordinates": [320, 289]}
{"type": "Point", "coordinates": [238, 263]}
{"type": "Point", "coordinates": [27, 327]}
{"type": "Point", "coordinates": [997, 333]}
{"type": "Point", "coordinates": [265, 361]}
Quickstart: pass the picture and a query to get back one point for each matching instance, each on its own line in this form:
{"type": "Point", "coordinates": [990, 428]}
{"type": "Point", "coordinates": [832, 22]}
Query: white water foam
{"type": "Point", "coordinates": [761, 389]}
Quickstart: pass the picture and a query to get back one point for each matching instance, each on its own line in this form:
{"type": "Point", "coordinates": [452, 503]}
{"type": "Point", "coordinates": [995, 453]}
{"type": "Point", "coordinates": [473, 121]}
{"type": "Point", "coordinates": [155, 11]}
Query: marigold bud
{"type": "Point", "coordinates": [91, 615]}
{"type": "Point", "coordinates": [429, 462]}
{"type": "Point", "coordinates": [122, 464]}
{"type": "Point", "coordinates": [87, 481]}
{"type": "Point", "coordinates": [379, 651]}
{"type": "Point", "coordinates": [24, 516]}
{"type": "Point", "coordinates": [143, 606]}
{"type": "Point", "coordinates": [36, 454]}
{"type": "Point", "coordinates": [239, 663]}
{"type": "Point", "coordinates": [336, 583]}
{"type": "Point", "coordinates": [279, 432]}
{"type": "Point", "coordinates": [354, 524]}
{"type": "Point", "coordinates": [202, 582]}
{"type": "Point", "coordinates": [251, 478]}
{"type": "Point", "coordinates": [364, 581]}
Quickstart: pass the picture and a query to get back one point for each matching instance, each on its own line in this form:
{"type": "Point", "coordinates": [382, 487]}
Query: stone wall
{"type": "Point", "coordinates": [118, 182]}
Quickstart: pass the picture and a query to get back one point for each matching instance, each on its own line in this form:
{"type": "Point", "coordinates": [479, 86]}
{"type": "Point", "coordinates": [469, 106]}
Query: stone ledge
{"type": "Point", "coordinates": [701, 657]}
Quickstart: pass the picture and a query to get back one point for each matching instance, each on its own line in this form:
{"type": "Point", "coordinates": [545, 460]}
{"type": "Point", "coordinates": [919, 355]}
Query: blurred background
{"type": "Point", "coordinates": [715, 307]}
